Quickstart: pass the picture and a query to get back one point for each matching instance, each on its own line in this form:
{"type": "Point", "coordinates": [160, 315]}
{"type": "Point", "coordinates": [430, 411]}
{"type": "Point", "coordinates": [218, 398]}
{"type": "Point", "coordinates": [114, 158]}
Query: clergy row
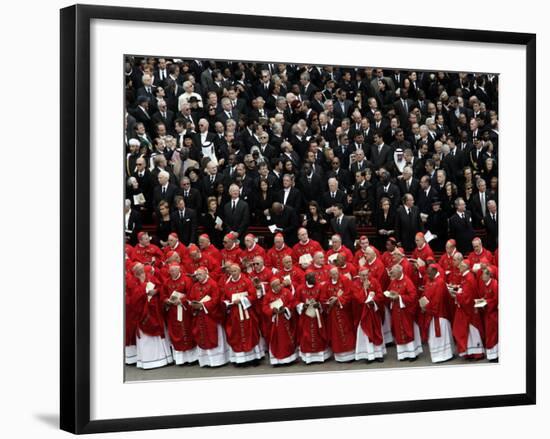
{"type": "Point", "coordinates": [200, 304]}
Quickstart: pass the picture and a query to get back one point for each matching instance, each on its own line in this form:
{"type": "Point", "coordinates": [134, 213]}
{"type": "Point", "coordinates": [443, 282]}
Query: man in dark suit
{"type": "Point", "coordinates": [344, 226]}
{"type": "Point", "coordinates": [333, 196]}
{"type": "Point", "coordinates": [164, 190]}
{"type": "Point", "coordinates": [460, 227]}
{"type": "Point", "coordinates": [491, 225]}
{"type": "Point", "coordinates": [478, 203]}
{"type": "Point", "coordinates": [408, 184]}
{"type": "Point", "coordinates": [236, 213]}
{"type": "Point", "coordinates": [342, 105]}
{"type": "Point", "coordinates": [132, 222]}
{"type": "Point", "coordinates": [387, 189]}
{"type": "Point", "coordinates": [145, 180]}
{"type": "Point", "coordinates": [310, 184]}
{"type": "Point", "coordinates": [328, 131]}
{"type": "Point", "coordinates": [402, 107]}
{"type": "Point", "coordinates": [426, 195]}
{"type": "Point", "coordinates": [408, 223]}
{"type": "Point", "coordinates": [289, 195]}
{"type": "Point", "coordinates": [211, 179]}
{"type": "Point", "coordinates": [340, 174]}
{"type": "Point", "coordinates": [184, 222]}
{"type": "Point", "coordinates": [228, 112]}
{"type": "Point", "coordinates": [165, 116]}
{"type": "Point", "coordinates": [191, 196]}
{"type": "Point", "coordinates": [380, 152]}
{"type": "Point", "coordinates": [286, 220]}
{"type": "Point", "coordinates": [266, 150]}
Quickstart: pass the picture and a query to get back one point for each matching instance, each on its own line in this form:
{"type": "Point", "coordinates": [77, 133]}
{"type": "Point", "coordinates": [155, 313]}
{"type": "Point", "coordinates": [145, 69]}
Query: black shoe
{"type": "Point", "coordinates": [494, 360]}
{"type": "Point", "coordinates": [379, 360]}
{"type": "Point", "coordinates": [413, 359]}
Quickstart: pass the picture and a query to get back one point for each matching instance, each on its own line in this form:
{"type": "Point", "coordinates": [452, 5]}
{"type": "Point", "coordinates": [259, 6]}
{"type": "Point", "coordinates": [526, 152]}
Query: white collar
{"type": "Point", "coordinates": [402, 276]}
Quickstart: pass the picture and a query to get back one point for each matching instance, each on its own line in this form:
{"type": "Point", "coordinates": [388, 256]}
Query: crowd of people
{"type": "Point", "coordinates": [309, 154]}
{"type": "Point", "coordinates": [196, 303]}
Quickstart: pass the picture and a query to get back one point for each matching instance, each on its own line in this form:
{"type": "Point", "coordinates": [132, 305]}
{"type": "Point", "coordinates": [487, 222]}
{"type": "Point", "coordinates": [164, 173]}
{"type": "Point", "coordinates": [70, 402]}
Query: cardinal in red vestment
{"type": "Point", "coordinates": [204, 297]}
{"type": "Point", "coordinates": [276, 253]}
{"type": "Point", "coordinates": [279, 313]}
{"type": "Point", "coordinates": [241, 325]}
{"type": "Point", "coordinates": [179, 315]}
{"type": "Point", "coordinates": [145, 252]}
{"type": "Point", "coordinates": [336, 297]}
{"type": "Point", "coordinates": [305, 246]}
{"type": "Point", "coordinates": [312, 334]}
{"type": "Point", "coordinates": [489, 293]}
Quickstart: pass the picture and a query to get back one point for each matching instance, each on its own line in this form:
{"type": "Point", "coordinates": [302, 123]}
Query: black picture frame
{"type": "Point", "coordinates": [75, 217]}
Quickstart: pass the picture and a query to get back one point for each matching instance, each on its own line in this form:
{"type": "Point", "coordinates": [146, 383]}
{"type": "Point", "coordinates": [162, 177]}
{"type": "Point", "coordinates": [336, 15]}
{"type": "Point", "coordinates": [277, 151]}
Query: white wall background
{"type": "Point", "coordinates": [29, 305]}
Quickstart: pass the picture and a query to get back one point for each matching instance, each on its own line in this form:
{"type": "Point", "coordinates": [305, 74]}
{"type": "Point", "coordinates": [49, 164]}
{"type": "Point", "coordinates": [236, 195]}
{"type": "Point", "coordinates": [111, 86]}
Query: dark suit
{"type": "Point", "coordinates": [462, 231]}
{"type": "Point", "coordinates": [340, 198]}
{"type": "Point", "coordinates": [346, 229]}
{"type": "Point", "coordinates": [133, 226]}
{"type": "Point", "coordinates": [288, 221]}
{"type": "Point", "coordinates": [208, 187]}
{"type": "Point", "coordinates": [380, 159]}
{"type": "Point", "coordinates": [294, 198]}
{"type": "Point", "coordinates": [491, 226]}
{"type": "Point", "coordinates": [477, 212]}
{"type": "Point", "coordinates": [236, 220]}
{"type": "Point", "coordinates": [393, 194]}
{"type": "Point", "coordinates": [193, 200]}
{"type": "Point", "coordinates": [168, 120]}
{"type": "Point", "coordinates": [311, 189]}
{"type": "Point", "coordinates": [185, 227]}
{"type": "Point", "coordinates": [424, 201]}
{"type": "Point", "coordinates": [414, 187]}
{"type": "Point", "coordinates": [342, 176]}
{"type": "Point", "coordinates": [158, 196]}
{"type": "Point", "coordinates": [407, 226]}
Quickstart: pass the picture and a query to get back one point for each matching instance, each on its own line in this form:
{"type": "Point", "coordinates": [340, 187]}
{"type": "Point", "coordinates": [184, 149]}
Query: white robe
{"type": "Point", "coordinates": [152, 351]}
{"type": "Point", "coordinates": [366, 349]}
{"type": "Point", "coordinates": [442, 347]}
{"type": "Point", "coordinates": [475, 344]}
{"type": "Point", "coordinates": [411, 349]}
{"type": "Point", "coordinates": [217, 356]}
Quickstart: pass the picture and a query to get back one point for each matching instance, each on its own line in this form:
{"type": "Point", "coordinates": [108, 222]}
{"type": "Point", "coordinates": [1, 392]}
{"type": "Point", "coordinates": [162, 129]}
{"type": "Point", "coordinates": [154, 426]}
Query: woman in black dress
{"type": "Point", "coordinates": [164, 226]}
{"type": "Point", "coordinates": [384, 223]}
{"type": "Point", "coordinates": [316, 224]}
{"type": "Point", "coordinates": [262, 200]}
{"type": "Point", "coordinates": [448, 199]}
{"type": "Point", "coordinates": [208, 221]}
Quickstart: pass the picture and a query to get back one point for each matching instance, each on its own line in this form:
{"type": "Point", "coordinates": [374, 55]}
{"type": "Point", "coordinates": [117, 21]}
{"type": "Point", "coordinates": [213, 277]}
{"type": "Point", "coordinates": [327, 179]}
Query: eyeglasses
{"type": "Point", "coordinates": [256, 263]}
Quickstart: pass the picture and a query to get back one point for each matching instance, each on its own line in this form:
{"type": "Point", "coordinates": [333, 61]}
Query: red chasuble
{"type": "Point", "coordinates": [311, 247]}
{"type": "Point", "coordinates": [179, 248]}
{"type": "Point", "coordinates": [275, 257]}
{"type": "Point", "coordinates": [232, 255]}
{"type": "Point", "coordinates": [264, 277]}
{"type": "Point", "coordinates": [489, 292]}
{"type": "Point", "coordinates": [148, 313]}
{"type": "Point", "coordinates": [402, 319]}
{"type": "Point", "coordinates": [180, 331]}
{"type": "Point", "coordinates": [339, 318]}
{"type": "Point", "coordinates": [360, 259]}
{"type": "Point", "coordinates": [281, 331]}
{"type": "Point", "coordinates": [206, 320]}
{"type": "Point", "coordinates": [147, 255]}
{"type": "Point", "coordinates": [475, 258]}
{"type": "Point", "coordinates": [311, 337]}
{"type": "Point", "coordinates": [425, 253]}
{"type": "Point", "coordinates": [251, 253]}
{"type": "Point", "coordinates": [296, 274]}
{"type": "Point", "coordinates": [377, 270]}
{"type": "Point", "coordinates": [320, 273]}
{"type": "Point", "coordinates": [465, 313]}
{"type": "Point", "coordinates": [369, 315]}
{"type": "Point", "coordinates": [344, 250]}
{"type": "Point", "coordinates": [241, 326]}
{"type": "Point", "coordinates": [436, 292]}
{"type": "Point", "coordinates": [214, 254]}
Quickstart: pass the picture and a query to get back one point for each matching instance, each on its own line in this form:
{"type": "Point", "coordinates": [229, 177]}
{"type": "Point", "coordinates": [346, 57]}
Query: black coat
{"type": "Point", "coordinates": [168, 196]}
{"type": "Point", "coordinates": [346, 230]}
{"type": "Point", "coordinates": [185, 227]}
{"type": "Point", "coordinates": [293, 200]}
{"type": "Point", "coordinates": [238, 220]}
{"type": "Point", "coordinates": [491, 226]}
{"type": "Point", "coordinates": [407, 226]}
{"type": "Point", "coordinates": [462, 231]}
{"type": "Point", "coordinates": [288, 221]}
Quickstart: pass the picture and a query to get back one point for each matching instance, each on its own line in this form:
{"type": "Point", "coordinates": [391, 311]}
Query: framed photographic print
{"type": "Point", "coordinates": [327, 209]}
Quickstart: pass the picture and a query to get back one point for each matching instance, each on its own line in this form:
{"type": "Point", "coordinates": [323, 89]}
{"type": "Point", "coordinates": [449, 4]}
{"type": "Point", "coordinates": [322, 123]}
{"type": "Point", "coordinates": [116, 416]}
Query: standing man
{"type": "Point", "coordinates": [184, 222]}
{"type": "Point", "coordinates": [236, 216]}
{"type": "Point", "coordinates": [344, 226]}
{"type": "Point", "coordinates": [460, 227]}
{"type": "Point", "coordinates": [408, 223]}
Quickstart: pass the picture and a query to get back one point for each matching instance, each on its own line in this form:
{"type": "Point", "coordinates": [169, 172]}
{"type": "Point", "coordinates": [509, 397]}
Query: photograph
{"type": "Point", "coordinates": [284, 218]}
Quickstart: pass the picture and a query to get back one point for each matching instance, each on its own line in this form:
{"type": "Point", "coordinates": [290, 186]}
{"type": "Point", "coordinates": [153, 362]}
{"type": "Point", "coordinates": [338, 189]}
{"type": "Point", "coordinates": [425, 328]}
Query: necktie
{"type": "Point", "coordinates": [233, 207]}
{"type": "Point", "coordinates": [186, 194]}
{"type": "Point", "coordinates": [340, 221]}
{"type": "Point", "coordinates": [163, 115]}
{"type": "Point", "coordinates": [333, 194]}
{"type": "Point", "coordinates": [211, 179]}
{"type": "Point", "coordinates": [163, 191]}
{"type": "Point", "coordinates": [494, 217]}
{"type": "Point", "coordinates": [181, 214]}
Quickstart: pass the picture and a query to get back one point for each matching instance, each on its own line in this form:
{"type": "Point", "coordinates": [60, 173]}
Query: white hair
{"type": "Point", "coordinates": [164, 174]}
{"type": "Point", "coordinates": [134, 142]}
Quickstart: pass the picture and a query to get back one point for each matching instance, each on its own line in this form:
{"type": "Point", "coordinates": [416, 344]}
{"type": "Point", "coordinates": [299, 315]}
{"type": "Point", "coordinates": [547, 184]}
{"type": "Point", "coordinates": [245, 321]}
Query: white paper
{"type": "Point", "coordinates": [429, 236]}
{"type": "Point", "coordinates": [276, 304]}
{"type": "Point", "coordinates": [139, 199]}
{"type": "Point", "coordinates": [150, 286]}
{"type": "Point", "coordinates": [480, 303]}
{"type": "Point", "coordinates": [332, 258]}
{"type": "Point", "coordinates": [218, 221]}
{"type": "Point", "coordinates": [305, 259]}
{"type": "Point", "coordinates": [180, 313]}
{"type": "Point", "coordinates": [272, 228]}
